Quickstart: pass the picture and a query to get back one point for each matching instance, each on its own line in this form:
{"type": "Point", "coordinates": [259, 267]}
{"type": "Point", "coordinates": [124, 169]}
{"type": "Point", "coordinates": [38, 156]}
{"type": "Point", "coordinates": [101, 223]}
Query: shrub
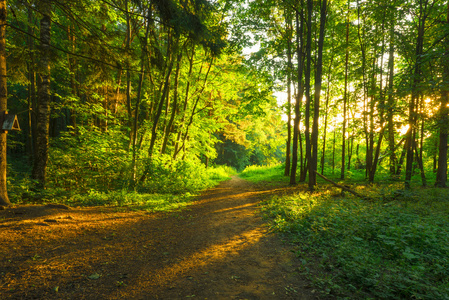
{"type": "Point", "coordinates": [385, 249]}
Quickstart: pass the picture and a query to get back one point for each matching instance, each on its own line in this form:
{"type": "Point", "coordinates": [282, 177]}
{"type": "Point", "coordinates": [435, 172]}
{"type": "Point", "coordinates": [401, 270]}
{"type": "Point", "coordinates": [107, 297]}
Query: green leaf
{"type": "Point", "coordinates": [94, 276]}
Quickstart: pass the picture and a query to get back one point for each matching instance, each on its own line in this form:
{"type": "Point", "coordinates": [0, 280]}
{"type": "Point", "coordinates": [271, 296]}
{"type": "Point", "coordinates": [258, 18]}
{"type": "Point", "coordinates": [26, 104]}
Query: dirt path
{"type": "Point", "coordinates": [219, 248]}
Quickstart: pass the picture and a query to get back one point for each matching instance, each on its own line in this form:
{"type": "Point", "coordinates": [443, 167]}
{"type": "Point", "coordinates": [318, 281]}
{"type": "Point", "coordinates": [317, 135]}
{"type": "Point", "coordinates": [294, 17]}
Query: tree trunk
{"type": "Point", "coordinates": [313, 165]}
{"type": "Point", "coordinates": [43, 106]}
{"type": "Point", "coordinates": [169, 126]}
{"type": "Point", "coordinates": [289, 95]}
{"type": "Point", "coordinates": [186, 101]}
{"type": "Point", "coordinates": [31, 90]}
{"type": "Point", "coordinates": [299, 45]}
{"type": "Point", "coordinates": [4, 199]}
{"type": "Point", "coordinates": [128, 73]}
{"type": "Point", "coordinates": [326, 110]}
{"type": "Point", "coordinates": [345, 96]}
{"type": "Point", "coordinates": [307, 77]}
{"type": "Point", "coordinates": [416, 80]}
{"type": "Point", "coordinates": [391, 104]}
{"type": "Point", "coordinates": [138, 99]}
{"type": "Point", "coordinates": [441, 176]}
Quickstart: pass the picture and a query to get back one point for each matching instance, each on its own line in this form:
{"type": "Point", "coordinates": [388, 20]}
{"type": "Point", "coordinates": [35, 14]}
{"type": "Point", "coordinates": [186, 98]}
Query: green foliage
{"type": "Point", "coordinates": [270, 173]}
{"type": "Point", "coordinates": [89, 160]}
{"type": "Point", "coordinates": [132, 200]}
{"type": "Point", "coordinates": [395, 248]}
{"type": "Point", "coordinates": [177, 177]}
{"type": "Point", "coordinates": [94, 168]}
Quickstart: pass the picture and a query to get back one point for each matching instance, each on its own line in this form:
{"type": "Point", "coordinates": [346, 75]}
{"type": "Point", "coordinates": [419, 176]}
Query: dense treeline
{"type": "Point", "coordinates": [367, 83]}
{"type": "Point", "coordinates": [109, 93]}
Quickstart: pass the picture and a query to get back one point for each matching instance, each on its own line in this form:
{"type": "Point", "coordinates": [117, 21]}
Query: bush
{"type": "Point", "coordinates": [89, 160]}
{"type": "Point", "coordinates": [390, 250]}
{"type": "Point", "coordinates": [167, 176]}
{"type": "Point", "coordinates": [271, 173]}
{"type": "Point", "coordinates": [95, 168]}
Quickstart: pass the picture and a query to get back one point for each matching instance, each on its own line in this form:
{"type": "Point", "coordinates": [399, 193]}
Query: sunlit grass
{"type": "Point", "coordinates": [168, 193]}
{"type": "Point", "coordinates": [133, 200]}
{"type": "Point", "coordinates": [271, 173]}
{"type": "Point", "coordinates": [394, 246]}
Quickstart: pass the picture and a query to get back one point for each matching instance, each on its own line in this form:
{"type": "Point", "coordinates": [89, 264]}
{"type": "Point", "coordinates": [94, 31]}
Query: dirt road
{"type": "Point", "coordinates": [218, 248]}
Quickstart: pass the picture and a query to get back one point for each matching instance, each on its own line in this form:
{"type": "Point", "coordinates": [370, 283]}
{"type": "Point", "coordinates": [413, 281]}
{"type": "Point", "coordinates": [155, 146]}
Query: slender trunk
{"type": "Point", "coordinates": [194, 111]}
{"type": "Point", "coordinates": [333, 151]}
{"type": "Point", "coordinates": [420, 165]}
{"type": "Point", "coordinates": [299, 41]}
{"type": "Point", "coordinates": [43, 106]}
{"type": "Point", "coordinates": [370, 133]}
{"type": "Point", "coordinates": [416, 80]}
{"type": "Point", "coordinates": [289, 95]}
{"type": "Point", "coordinates": [345, 96]}
{"type": "Point", "coordinates": [391, 103]}
{"type": "Point", "coordinates": [313, 164]}
{"type": "Point", "coordinates": [159, 110]}
{"type": "Point", "coordinates": [419, 154]}
{"type": "Point", "coordinates": [169, 126]}
{"type": "Point", "coordinates": [402, 157]}
{"type": "Point", "coordinates": [376, 157]}
{"type": "Point", "coordinates": [4, 199]}
{"type": "Point", "coordinates": [350, 148]}
{"type": "Point", "coordinates": [138, 99]}
{"type": "Point", "coordinates": [441, 176]}
{"type": "Point", "coordinates": [307, 87]}
{"type": "Point", "coordinates": [128, 73]}
{"type": "Point", "coordinates": [186, 101]}
{"type": "Point", "coordinates": [31, 90]}
{"type": "Point", "coordinates": [326, 111]}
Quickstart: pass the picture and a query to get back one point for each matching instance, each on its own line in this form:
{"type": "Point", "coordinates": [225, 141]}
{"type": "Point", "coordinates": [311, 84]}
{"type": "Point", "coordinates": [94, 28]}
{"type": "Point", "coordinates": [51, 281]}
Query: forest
{"type": "Point", "coordinates": [328, 118]}
{"type": "Point", "coordinates": [109, 93]}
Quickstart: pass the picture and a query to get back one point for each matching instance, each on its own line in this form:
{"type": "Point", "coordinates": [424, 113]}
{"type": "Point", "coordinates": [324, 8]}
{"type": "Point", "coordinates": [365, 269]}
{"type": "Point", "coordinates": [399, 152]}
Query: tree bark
{"type": "Point", "coordinates": [169, 126]}
{"type": "Point", "coordinates": [441, 176]}
{"type": "Point", "coordinates": [138, 99]}
{"type": "Point", "coordinates": [43, 106]}
{"type": "Point", "coordinates": [299, 45]}
{"type": "Point", "coordinates": [416, 80]}
{"type": "Point", "coordinates": [313, 164]}
{"type": "Point", "coordinates": [307, 79]}
{"type": "Point", "coordinates": [343, 142]}
{"type": "Point", "coordinates": [391, 104]}
{"type": "Point", "coordinates": [326, 110]}
{"type": "Point", "coordinates": [4, 199]}
{"type": "Point", "coordinates": [289, 95]}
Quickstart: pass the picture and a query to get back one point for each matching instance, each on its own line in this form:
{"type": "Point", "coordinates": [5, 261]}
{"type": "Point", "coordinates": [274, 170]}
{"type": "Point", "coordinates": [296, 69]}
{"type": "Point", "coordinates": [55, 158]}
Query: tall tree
{"type": "Point", "coordinates": [316, 105]}
{"type": "Point", "coordinates": [289, 26]}
{"type": "Point", "coordinates": [43, 105]}
{"type": "Point", "coordinates": [441, 176]}
{"type": "Point", "coordinates": [415, 82]}
{"type": "Point", "coordinates": [307, 85]}
{"type": "Point", "coordinates": [345, 99]}
{"type": "Point", "coordinates": [299, 49]}
{"type": "Point", "coordinates": [390, 102]}
{"type": "Point", "coordinates": [4, 200]}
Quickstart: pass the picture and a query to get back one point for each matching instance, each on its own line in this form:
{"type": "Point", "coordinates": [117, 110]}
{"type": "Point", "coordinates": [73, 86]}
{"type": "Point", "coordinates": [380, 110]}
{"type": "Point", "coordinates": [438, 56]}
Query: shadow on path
{"type": "Point", "coordinates": [218, 248]}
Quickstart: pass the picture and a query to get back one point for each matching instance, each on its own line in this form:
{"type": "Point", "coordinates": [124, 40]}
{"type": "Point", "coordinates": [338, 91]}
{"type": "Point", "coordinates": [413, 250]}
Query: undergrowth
{"type": "Point", "coordinates": [98, 173]}
{"type": "Point", "coordinates": [394, 247]}
{"type": "Point", "coordinates": [271, 173]}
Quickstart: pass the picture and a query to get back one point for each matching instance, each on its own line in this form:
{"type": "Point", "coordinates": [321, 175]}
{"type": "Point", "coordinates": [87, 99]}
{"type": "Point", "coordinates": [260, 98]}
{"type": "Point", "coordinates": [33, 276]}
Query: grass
{"type": "Point", "coordinates": [271, 173]}
{"type": "Point", "coordinates": [171, 193]}
{"type": "Point", "coordinates": [395, 247]}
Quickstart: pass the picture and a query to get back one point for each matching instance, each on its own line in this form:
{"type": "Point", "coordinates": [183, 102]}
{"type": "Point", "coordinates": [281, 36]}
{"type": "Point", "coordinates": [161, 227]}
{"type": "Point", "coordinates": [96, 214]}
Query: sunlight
{"type": "Point", "coordinates": [214, 253]}
{"type": "Point", "coordinates": [403, 130]}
